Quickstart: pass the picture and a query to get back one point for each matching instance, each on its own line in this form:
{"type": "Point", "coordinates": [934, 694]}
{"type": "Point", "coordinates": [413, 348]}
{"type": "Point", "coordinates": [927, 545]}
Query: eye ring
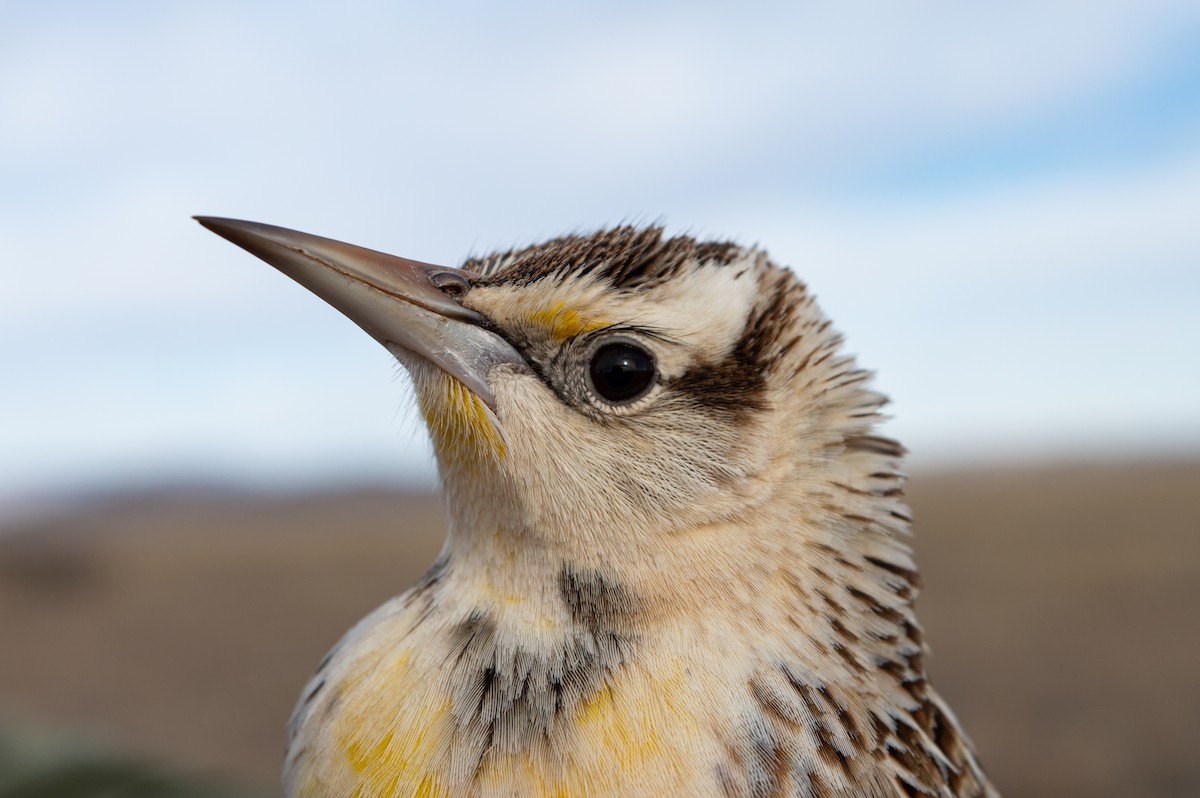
{"type": "Point", "coordinates": [620, 372]}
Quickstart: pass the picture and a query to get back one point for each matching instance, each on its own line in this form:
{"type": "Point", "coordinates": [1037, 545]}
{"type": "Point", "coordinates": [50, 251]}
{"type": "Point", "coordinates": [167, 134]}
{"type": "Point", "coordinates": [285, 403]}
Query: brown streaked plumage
{"type": "Point", "coordinates": [677, 559]}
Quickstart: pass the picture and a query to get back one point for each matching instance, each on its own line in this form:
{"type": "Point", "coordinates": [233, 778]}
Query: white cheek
{"type": "Point", "coordinates": [550, 447]}
{"type": "Point", "coordinates": [568, 472]}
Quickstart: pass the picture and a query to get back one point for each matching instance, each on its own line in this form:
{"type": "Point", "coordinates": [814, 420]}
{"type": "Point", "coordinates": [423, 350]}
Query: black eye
{"type": "Point", "coordinates": [621, 372]}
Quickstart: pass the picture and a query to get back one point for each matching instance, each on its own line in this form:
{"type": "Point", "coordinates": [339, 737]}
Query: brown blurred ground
{"type": "Point", "coordinates": [1061, 604]}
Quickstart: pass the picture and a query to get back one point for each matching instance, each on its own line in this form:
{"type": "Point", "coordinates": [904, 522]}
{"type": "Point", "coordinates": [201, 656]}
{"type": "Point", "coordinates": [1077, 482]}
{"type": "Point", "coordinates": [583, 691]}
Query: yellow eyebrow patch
{"type": "Point", "coordinates": [563, 322]}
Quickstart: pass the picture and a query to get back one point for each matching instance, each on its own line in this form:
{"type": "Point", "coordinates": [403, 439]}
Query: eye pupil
{"type": "Point", "coordinates": [621, 372]}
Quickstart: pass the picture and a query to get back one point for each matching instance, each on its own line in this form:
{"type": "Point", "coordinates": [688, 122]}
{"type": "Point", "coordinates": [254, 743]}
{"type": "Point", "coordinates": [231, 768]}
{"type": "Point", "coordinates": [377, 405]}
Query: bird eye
{"type": "Point", "coordinates": [621, 372]}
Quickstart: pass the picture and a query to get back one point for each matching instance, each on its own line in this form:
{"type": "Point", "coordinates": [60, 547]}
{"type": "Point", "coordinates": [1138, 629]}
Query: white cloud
{"type": "Point", "coordinates": [434, 130]}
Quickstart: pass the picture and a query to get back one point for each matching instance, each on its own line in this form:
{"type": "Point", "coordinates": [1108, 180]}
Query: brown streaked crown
{"type": "Point", "coordinates": [629, 257]}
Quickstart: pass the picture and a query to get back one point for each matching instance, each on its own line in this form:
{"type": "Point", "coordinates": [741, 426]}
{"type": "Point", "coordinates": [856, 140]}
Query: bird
{"type": "Point", "coordinates": [677, 560]}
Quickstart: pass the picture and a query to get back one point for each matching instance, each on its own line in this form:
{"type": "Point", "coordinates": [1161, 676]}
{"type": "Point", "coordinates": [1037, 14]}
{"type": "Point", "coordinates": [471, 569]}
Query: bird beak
{"type": "Point", "coordinates": [404, 304]}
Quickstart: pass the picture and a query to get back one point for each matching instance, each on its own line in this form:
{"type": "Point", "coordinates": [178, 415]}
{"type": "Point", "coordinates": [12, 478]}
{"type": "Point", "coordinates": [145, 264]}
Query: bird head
{"type": "Point", "coordinates": [604, 390]}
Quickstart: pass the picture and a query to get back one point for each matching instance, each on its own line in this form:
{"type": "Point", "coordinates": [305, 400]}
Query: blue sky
{"type": "Point", "coordinates": [998, 203]}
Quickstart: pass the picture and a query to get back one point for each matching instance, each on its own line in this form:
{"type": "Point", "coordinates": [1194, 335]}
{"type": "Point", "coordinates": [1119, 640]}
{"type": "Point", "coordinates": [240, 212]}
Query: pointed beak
{"type": "Point", "coordinates": [404, 304]}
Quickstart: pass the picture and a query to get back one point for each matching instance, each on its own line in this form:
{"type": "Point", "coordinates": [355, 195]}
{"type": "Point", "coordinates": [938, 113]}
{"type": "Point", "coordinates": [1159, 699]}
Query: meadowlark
{"type": "Point", "coordinates": [677, 559]}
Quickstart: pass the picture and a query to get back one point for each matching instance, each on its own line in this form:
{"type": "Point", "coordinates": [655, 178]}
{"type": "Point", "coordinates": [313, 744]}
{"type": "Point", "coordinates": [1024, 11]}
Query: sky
{"type": "Point", "coordinates": [998, 204]}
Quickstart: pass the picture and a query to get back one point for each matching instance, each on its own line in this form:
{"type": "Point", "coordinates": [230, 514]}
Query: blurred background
{"type": "Point", "coordinates": [206, 474]}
